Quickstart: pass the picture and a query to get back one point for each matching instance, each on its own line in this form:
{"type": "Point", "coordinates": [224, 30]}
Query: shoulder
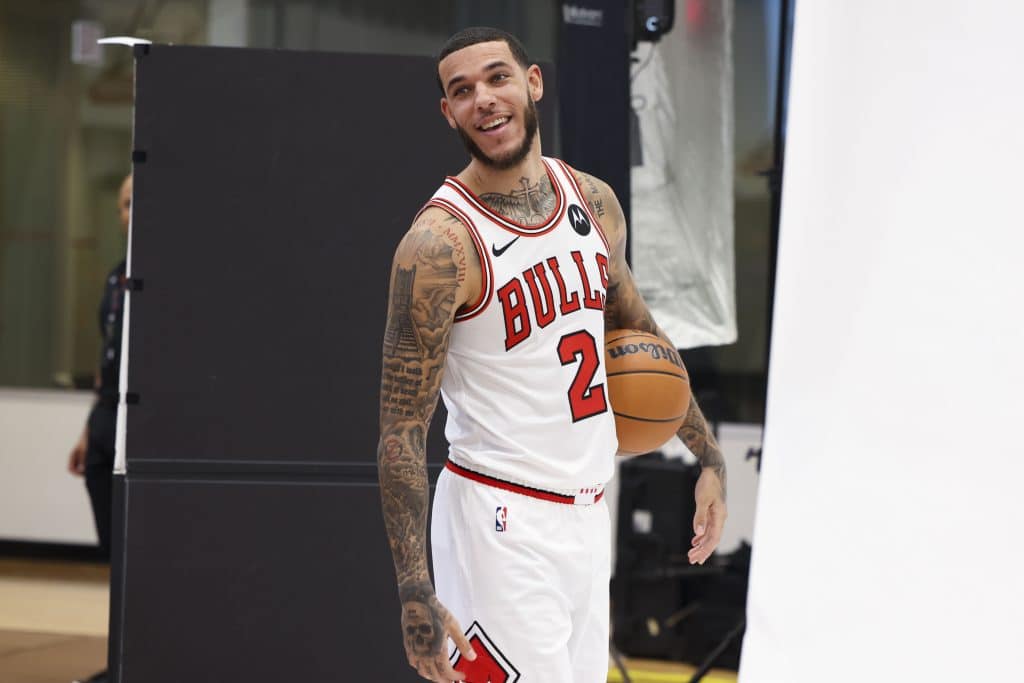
{"type": "Point", "coordinates": [434, 225]}
{"type": "Point", "coordinates": [436, 220]}
{"type": "Point", "coordinates": [440, 247]}
{"type": "Point", "coordinates": [591, 185]}
{"type": "Point", "coordinates": [603, 204]}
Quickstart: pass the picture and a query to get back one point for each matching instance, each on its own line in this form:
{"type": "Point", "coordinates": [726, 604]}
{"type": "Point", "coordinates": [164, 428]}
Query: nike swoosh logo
{"type": "Point", "coordinates": [499, 252]}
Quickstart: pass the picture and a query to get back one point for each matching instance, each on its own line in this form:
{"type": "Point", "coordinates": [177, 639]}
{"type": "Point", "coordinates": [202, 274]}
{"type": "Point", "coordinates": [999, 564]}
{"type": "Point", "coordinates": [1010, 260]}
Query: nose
{"type": "Point", "coordinates": [484, 98]}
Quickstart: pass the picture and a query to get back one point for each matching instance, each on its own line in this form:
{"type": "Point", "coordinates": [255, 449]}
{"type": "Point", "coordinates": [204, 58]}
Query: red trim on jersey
{"type": "Point", "coordinates": [519, 488]}
{"type": "Point", "coordinates": [586, 205]}
{"type": "Point", "coordinates": [487, 286]}
{"type": "Point", "coordinates": [507, 223]}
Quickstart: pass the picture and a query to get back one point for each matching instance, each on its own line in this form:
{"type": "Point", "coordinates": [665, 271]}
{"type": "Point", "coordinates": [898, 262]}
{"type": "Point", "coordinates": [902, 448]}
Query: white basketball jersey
{"type": "Point", "coordinates": [525, 378]}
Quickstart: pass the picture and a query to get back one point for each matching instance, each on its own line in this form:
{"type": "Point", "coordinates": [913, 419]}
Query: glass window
{"type": "Point", "coordinates": [65, 135]}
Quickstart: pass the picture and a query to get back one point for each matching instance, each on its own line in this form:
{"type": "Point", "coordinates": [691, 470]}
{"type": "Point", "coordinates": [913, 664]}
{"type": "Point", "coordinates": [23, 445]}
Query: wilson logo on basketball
{"type": "Point", "coordinates": [655, 351]}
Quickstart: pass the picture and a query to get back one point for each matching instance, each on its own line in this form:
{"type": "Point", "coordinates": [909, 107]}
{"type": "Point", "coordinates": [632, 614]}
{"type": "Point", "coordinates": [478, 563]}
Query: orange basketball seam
{"type": "Point", "coordinates": [609, 340]}
{"type": "Point", "coordinates": [648, 372]}
{"type": "Point", "coordinates": [649, 419]}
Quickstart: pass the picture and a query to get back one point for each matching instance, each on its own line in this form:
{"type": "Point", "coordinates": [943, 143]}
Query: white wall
{"type": "Point", "coordinates": [39, 499]}
{"type": "Point", "coordinates": [736, 441]}
{"type": "Point", "coordinates": [887, 544]}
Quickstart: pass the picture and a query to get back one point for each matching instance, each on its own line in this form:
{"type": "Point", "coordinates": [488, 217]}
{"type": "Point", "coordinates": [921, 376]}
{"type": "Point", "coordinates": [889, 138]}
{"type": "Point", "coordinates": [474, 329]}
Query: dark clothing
{"type": "Point", "coordinates": [102, 428]}
{"type": "Point", "coordinates": [99, 483]}
{"type": "Point", "coordinates": [111, 320]}
{"type": "Point", "coordinates": [99, 456]}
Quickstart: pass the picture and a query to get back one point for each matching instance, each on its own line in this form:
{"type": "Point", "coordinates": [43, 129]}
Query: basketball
{"type": "Point", "coordinates": [648, 387]}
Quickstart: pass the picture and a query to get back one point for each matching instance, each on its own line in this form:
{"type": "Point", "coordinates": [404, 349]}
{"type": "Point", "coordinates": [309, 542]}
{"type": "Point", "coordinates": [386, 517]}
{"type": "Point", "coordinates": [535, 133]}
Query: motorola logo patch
{"type": "Point", "coordinates": [579, 220]}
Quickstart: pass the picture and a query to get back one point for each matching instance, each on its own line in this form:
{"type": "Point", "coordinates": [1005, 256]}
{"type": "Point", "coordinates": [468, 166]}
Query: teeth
{"type": "Point", "coordinates": [494, 124]}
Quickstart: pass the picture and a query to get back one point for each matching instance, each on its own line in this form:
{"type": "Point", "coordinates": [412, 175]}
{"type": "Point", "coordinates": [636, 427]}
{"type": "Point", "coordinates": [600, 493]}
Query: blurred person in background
{"type": "Point", "coordinates": [93, 455]}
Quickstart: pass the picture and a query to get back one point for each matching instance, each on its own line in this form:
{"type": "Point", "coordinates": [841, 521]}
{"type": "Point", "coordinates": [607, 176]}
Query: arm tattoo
{"type": "Point", "coordinates": [595, 201]}
{"type": "Point", "coordinates": [624, 308]}
{"type": "Point", "coordinates": [529, 205]}
{"type": "Point", "coordinates": [701, 442]}
{"type": "Point", "coordinates": [416, 339]}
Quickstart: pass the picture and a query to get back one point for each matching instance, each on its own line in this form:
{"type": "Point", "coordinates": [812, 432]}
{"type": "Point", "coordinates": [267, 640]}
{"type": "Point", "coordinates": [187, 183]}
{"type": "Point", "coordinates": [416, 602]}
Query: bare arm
{"type": "Point", "coordinates": [428, 284]}
{"type": "Point", "coordinates": [626, 309]}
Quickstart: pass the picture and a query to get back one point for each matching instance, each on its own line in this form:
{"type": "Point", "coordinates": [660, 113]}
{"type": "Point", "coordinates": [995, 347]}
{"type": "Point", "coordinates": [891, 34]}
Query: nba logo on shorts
{"type": "Point", "coordinates": [501, 519]}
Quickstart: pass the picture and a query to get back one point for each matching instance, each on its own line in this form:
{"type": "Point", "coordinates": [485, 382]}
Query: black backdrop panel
{"type": "Point", "coordinates": [258, 581]}
{"type": "Point", "coordinates": [593, 63]}
{"type": "Point", "coordinates": [274, 188]}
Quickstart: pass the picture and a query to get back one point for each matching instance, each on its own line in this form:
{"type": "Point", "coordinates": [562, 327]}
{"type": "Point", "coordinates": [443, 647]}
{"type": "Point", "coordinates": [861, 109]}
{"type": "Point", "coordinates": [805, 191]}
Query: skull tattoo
{"type": "Point", "coordinates": [421, 633]}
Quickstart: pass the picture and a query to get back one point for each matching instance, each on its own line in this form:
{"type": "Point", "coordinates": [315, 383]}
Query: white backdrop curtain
{"type": "Point", "coordinates": [886, 544]}
{"type": "Point", "coordinates": [682, 194]}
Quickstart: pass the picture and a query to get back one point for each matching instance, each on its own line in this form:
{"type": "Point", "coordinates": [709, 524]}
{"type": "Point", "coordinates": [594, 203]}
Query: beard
{"type": "Point", "coordinates": [515, 156]}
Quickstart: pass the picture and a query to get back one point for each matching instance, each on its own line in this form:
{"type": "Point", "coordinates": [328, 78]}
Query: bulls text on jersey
{"type": "Point", "coordinates": [566, 276]}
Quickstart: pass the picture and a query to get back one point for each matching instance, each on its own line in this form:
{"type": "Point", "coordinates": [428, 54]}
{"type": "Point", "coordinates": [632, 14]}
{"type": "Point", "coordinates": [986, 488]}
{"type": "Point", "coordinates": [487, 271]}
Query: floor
{"type": "Point", "coordinates": [53, 625]}
{"type": "Point", "coordinates": [651, 671]}
{"type": "Point", "coordinates": [53, 620]}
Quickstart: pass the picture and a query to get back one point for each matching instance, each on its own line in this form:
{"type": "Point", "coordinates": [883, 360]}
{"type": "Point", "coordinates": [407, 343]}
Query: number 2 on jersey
{"type": "Point", "coordinates": [585, 399]}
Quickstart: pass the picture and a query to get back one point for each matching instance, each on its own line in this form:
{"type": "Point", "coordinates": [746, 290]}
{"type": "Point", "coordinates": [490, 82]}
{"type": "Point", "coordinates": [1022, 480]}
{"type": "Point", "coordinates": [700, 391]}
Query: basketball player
{"type": "Point", "coordinates": [501, 292]}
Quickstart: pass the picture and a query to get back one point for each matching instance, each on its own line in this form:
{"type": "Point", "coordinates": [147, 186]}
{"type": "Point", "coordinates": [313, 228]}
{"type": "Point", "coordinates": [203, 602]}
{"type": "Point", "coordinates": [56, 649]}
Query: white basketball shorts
{"type": "Point", "coordinates": [526, 578]}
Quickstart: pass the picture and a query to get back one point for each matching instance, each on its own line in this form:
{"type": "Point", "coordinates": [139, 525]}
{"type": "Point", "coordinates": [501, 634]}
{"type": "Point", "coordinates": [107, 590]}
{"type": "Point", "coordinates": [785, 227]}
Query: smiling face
{"type": "Point", "coordinates": [489, 99]}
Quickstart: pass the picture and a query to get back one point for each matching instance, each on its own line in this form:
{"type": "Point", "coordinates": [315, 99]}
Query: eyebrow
{"type": "Point", "coordinates": [497, 64]}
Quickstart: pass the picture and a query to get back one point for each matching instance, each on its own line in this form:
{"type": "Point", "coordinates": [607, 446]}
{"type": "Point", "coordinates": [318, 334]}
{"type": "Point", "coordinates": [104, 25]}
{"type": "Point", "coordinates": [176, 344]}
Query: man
{"type": "Point", "coordinates": [500, 295]}
{"type": "Point", "coordinates": [93, 455]}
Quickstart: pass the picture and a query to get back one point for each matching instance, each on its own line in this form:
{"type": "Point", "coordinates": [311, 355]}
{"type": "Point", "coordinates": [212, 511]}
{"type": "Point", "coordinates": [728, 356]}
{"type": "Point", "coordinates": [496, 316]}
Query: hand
{"type": "Point", "coordinates": [426, 627]}
{"type": "Point", "coordinates": [710, 517]}
{"type": "Point", "coordinates": [76, 463]}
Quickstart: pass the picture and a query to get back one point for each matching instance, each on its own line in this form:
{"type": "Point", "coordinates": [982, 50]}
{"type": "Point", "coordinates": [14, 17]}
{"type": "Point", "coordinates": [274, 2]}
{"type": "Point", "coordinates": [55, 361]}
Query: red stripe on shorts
{"type": "Point", "coordinates": [515, 488]}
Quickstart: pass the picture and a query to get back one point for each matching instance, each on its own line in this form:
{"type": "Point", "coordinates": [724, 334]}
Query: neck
{"type": "Point", "coordinates": [483, 178]}
{"type": "Point", "coordinates": [522, 193]}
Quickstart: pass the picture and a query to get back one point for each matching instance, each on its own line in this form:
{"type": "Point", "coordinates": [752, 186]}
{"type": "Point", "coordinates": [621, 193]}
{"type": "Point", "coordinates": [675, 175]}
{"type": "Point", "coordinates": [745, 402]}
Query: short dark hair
{"type": "Point", "coordinates": [481, 34]}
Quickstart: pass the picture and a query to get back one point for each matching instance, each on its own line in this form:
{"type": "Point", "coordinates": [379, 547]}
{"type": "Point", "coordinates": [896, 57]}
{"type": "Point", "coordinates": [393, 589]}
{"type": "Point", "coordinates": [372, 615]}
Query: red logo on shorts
{"type": "Point", "coordinates": [501, 519]}
{"type": "Point", "coordinates": [490, 665]}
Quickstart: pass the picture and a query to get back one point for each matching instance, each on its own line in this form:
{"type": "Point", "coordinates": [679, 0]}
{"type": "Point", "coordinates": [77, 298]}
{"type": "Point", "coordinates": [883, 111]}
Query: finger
{"type": "Point", "coordinates": [426, 670]}
{"type": "Point", "coordinates": [702, 551]}
{"type": "Point", "coordinates": [700, 520]}
{"type": "Point", "coordinates": [461, 641]}
{"type": "Point", "coordinates": [706, 549]}
{"type": "Point", "coordinates": [700, 554]}
{"type": "Point", "coordinates": [447, 673]}
{"type": "Point", "coordinates": [694, 554]}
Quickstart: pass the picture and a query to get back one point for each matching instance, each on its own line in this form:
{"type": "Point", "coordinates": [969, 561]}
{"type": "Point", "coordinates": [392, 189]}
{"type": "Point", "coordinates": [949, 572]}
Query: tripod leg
{"type": "Point", "coordinates": [619, 664]}
{"type": "Point", "coordinates": [709, 661]}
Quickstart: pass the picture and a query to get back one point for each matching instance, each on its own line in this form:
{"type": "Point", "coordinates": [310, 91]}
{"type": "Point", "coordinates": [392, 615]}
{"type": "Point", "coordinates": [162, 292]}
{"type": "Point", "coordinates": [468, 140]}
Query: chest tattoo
{"type": "Point", "coordinates": [529, 204]}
